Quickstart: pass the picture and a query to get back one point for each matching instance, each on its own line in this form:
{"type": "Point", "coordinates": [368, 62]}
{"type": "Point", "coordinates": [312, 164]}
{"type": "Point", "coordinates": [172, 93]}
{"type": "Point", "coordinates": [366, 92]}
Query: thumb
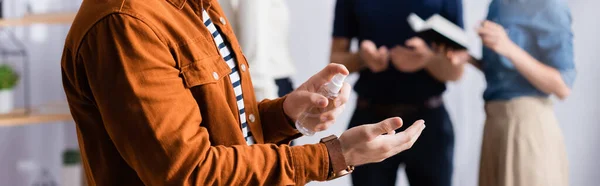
{"type": "Point", "coordinates": [368, 45]}
{"type": "Point", "coordinates": [327, 74]}
{"type": "Point", "coordinates": [415, 42]}
{"type": "Point", "coordinates": [385, 126]}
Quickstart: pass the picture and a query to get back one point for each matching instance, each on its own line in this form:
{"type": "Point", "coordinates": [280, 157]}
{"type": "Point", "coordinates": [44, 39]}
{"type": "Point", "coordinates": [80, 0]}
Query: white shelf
{"type": "Point", "coordinates": [47, 18]}
{"type": "Point", "coordinates": [40, 115]}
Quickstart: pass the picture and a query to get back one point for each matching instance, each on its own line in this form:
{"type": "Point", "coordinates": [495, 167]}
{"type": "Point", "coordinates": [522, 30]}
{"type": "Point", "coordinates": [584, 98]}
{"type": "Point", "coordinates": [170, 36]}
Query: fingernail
{"type": "Point", "coordinates": [324, 118]}
{"type": "Point", "coordinates": [422, 122]}
{"type": "Point", "coordinates": [321, 102]}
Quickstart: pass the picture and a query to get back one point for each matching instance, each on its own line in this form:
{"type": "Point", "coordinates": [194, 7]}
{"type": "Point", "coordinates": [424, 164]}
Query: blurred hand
{"type": "Point", "coordinates": [375, 59]}
{"type": "Point", "coordinates": [377, 142]}
{"type": "Point", "coordinates": [413, 57]}
{"type": "Point", "coordinates": [306, 96]}
{"type": "Point", "coordinates": [456, 57]}
{"type": "Point", "coordinates": [495, 38]}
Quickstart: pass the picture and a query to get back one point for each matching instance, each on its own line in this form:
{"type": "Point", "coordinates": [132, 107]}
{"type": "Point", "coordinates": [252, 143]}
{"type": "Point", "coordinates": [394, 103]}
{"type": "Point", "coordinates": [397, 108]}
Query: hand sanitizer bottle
{"type": "Point", "coordinates": [310, 116]}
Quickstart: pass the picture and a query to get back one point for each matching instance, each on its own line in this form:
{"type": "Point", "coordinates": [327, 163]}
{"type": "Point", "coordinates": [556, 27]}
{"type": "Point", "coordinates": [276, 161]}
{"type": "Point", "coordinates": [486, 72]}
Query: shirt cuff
{"type": "Point", "coordinates": [311, 163]}
{"type": "Point", "coordinates": [277, 126]}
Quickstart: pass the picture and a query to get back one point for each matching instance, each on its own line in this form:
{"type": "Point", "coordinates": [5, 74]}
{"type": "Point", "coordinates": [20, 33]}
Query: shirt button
{"type": "Point", "coordinates": [216, 76]}
{"type": "Point", "coordinates": [222, 19]}
{"type": "Point", "coordinates": [251, 118]}
{"type": "Point", "coordinates": [243, 67]}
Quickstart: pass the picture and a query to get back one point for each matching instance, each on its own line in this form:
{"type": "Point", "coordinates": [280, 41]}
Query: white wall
{"type": "Point", "coordinates": [310, 40]}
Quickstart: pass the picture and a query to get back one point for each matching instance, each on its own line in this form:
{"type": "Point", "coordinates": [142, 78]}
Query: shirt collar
{"type": "Point", "coordinates": [177, 3]}
{"type": "Point", "coordinates": [181, 3]}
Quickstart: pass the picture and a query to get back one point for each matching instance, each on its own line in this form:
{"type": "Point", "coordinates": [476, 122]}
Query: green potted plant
{"type": "Point", "coordinates": [8, 81]}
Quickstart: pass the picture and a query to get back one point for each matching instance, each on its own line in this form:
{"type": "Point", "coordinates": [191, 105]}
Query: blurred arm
{"type": "Point", "coordinates": [345, 28]}
{"type": "Point", "coordinates": [554, 73]}
{"type": "Point", "coordinates": [253, 16]}
{"type": "Point", "coordinates": [340, 53]}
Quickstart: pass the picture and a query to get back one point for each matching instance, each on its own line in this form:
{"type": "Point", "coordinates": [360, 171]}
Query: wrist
{"type": "Point", "coordinates": [510, 50]}
{"type": "Point", "coordinates": [338, 163]}
{"type": "Point", "coordinates": [290, 121]}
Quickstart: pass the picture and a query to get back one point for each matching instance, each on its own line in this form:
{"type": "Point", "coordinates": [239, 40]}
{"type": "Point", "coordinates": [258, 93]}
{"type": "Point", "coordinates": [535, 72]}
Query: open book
{"type": "Point", "coordinates": [438, 29]}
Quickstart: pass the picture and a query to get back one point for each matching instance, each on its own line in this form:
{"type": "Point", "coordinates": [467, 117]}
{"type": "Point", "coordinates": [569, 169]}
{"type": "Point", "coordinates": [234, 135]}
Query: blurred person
{"type": "Point", "coordinates": [161, 95]}
{"type": "Point", "coordinates": [262, 28]}
{"type": "Point", "coordinates": [528, 55]}
{"type": "Point", "coordinates": [400, 75]}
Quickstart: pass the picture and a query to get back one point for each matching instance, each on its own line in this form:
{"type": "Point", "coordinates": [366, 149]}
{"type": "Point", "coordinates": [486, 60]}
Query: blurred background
{"type": "Point", "coordinates": [32, 149]}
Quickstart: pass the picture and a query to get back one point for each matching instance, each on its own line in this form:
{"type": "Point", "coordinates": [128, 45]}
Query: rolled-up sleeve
{"type": "Point", "coordinates": [155, 122]}
{"type": "Point", "coordinates": [554, 37]}
{"type": "Point", "coordinates": [345, 23]}
{"type": "Point", "coordinates": [278, 127]}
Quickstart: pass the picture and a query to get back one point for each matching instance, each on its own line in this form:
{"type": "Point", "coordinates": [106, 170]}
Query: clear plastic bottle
{"type": "Point", "coordinates": [310, 116]}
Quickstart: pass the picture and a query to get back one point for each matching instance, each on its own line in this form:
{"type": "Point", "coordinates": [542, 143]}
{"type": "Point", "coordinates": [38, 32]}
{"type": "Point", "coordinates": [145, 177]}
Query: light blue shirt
{"type": "Point", "coordinates": [540, 27]}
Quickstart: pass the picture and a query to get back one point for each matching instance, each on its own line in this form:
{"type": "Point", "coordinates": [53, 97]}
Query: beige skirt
{"type": "Point", "coordinates": [522, 145]}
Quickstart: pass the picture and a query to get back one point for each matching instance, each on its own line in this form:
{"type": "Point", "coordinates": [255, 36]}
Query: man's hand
{"type": "Point", "coordinates": [306, 96]}
{"type": "Point", "coordinates": [377, 142]}
{"type": "Point", "coordinates": [412, 58]}
{"type": "Point", "coordinates": [375, 59]}
{"type": "Point", "coordinates": [495, 38]}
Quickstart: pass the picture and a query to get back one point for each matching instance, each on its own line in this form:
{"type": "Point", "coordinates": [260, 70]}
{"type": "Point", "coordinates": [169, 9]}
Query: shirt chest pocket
{"type": "Point", "coordinates": [200, 62]}
{"type": "Point", "coordinates": [205, 71]}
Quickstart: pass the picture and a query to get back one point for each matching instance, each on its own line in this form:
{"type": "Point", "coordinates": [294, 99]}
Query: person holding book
{"type": "Point", "coordinates": [528, 55]}
{"type": "Point", "coordinates": [400, 75]}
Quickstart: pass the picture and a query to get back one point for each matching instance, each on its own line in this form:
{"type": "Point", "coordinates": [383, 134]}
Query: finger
{"type": "Point", "coordinates": [484, 31]}
{"type": "Point", "coordinates": [327, 74]}
{"type": "Point", "coordinates": [406, 139]}
{"type": "Point", "coordinates": [384, 127]}
{"type": "Point", "coordinates": [343, 96]}
{"type": "Point", "coordinates": [486, 23]}
{"type": "Point", "coordinates": [489, 41]}
{"type": "Point", "coordinates": [383, 53]}
{"type": "Point", "coordinates": [330, 113]}
{"type": "Point", "coordinates": [392, 132]}
{"type": "Point", "coordinates": [383, 50]}
{"type": "Point", "coordinates": [493, 25]}
{"type": "Point", "coordinates": [415, 42]}
{"type": "Point", "coordinates": [399, 50]}
{"type": "Point", "coordinates": [317, 100]}
{"type": "Point", "coordinates": [324, 126]}
{"type": "Point", "coordinates": [368, 46]}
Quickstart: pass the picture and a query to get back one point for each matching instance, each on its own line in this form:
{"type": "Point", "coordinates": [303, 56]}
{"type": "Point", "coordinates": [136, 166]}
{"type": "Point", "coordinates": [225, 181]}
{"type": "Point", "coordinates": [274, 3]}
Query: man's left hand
{"type": "Point", "coordinates": [307, 96]}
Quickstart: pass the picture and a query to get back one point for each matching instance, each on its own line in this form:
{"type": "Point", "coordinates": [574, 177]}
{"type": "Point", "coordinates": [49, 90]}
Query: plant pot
{"type": "Point", "coordinates": [6, 101]}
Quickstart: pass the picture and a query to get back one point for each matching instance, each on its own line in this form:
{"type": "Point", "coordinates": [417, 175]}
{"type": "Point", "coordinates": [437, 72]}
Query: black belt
{"type": "Point", "coordinates": [397, 109]}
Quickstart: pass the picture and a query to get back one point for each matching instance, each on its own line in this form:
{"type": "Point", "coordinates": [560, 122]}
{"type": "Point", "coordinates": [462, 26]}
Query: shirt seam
{"type": "Point", "coordinates": [118, 13]}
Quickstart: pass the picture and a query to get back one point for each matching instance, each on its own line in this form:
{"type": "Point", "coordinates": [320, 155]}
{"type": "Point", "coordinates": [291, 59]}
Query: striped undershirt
{"type": "Point", "coordinates": [224, 49]}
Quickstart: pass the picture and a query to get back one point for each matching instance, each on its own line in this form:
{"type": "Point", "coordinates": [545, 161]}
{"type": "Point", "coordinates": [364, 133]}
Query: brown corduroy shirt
{"type": "Point", "coordinates": [139, 79]}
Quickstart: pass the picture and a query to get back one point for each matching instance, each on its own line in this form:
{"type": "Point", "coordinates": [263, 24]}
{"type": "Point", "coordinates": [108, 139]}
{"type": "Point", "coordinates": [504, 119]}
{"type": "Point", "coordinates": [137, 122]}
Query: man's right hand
{"type": "Point", "coordinates": [375, 59]}
{"type": "Point", "coordinates": [376, 142]}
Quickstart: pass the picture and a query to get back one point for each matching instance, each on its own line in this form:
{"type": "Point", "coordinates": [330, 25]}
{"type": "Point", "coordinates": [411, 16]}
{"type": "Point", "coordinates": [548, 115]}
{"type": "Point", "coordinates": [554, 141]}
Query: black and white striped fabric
{"type": "Point", "coordinates": [224, 49]}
